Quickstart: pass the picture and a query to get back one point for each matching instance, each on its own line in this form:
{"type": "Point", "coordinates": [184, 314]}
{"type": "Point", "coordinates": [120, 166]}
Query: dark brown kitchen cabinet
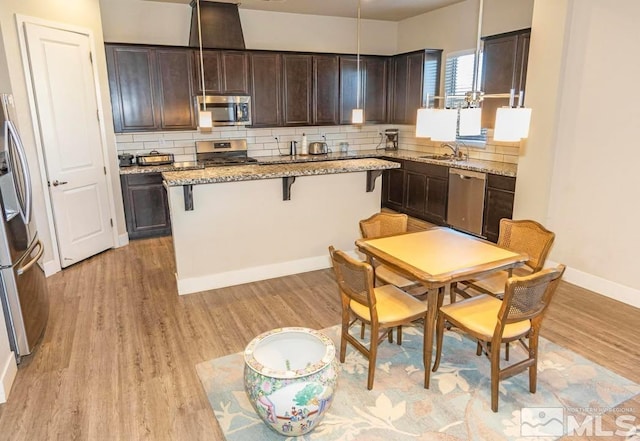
{"type": "Point", "coordinates": [373, 88]}
{"type": "Point", "coordinates": [225, 72]}
{"type": "Point", "coordinates": [326, 89]}
{"type": "Point", "coordinates": [297, 89]}
{"type": "Point", "coordinates": [417, 189]}
{"type": "Point", "coordinates": [413, 76]}
{"type": "Point", "coordinates": [499, 199]}
{"type": "Point", "coordinates": [151, 88]}
{"type": "Point", "coordinates": [146, 207]}
{"type": "Point", "coordinates": [504, 67]}
{"type": "Point", "coordinates": [393, 186]}
{"type": "Point", "coordinates": [265, 76]}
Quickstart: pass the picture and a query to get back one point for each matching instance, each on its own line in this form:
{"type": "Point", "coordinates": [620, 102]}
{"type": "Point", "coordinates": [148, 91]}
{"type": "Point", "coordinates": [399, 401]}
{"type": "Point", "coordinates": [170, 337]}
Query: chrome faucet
{"type": "Point", "coordinates": [455, 149]}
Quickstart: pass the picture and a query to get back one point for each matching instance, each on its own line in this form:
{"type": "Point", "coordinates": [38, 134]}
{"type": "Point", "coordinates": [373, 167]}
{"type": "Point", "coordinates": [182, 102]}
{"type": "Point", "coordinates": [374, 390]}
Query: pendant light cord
{"type": "Point", "coordinates": [358, 59]}
{"type": "Point", "coordinates": [204, 94]}
{"type": "Point", "coordinates": [476, 60]}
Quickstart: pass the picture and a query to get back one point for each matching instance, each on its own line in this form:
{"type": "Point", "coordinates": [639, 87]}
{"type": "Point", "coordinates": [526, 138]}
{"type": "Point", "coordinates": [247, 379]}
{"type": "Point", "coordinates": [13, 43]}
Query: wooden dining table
{"type": "Point", "coordinates": [438, 257]}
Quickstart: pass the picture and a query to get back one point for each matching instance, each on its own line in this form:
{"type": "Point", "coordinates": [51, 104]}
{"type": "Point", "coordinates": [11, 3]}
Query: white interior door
{"type": "Point", "coordinates": [65, 94]}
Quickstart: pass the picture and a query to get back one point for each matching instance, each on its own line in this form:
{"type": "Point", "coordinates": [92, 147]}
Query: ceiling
{"type": "Point", "coordinates": [391, 10]}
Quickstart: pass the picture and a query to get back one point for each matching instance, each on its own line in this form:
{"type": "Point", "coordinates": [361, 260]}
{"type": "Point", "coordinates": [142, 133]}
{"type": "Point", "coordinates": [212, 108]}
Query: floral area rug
{"type": "Point", "coordinates": [456, 407]}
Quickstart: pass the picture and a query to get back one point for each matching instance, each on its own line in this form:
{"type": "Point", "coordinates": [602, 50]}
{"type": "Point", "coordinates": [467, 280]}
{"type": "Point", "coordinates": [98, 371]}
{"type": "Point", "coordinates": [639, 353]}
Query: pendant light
{"type": "Point", "coordinates": [357, 114]}
{"type": "Point", "coordinates": [205, 122]}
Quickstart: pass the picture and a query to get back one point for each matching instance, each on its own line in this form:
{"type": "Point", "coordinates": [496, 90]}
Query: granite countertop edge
{"type": "Point", "coordinates": [254, 172]}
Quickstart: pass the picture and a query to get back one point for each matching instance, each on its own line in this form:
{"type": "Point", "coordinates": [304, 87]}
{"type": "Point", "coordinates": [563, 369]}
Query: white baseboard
{"type": "Point", "coordinates": [51, 267]}
{"type": "Point", "coordinates": [123, 239]}
{"type": "Point", "coordinates": [254, 274]}
{"type": "Point", "coordinates": [607, 288]}
{"type": "Point", "coordinates": [7, 375]}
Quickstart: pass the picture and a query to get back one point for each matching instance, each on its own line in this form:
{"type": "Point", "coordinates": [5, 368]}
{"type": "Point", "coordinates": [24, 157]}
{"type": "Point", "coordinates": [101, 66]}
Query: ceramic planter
{"type": "Point", "coordinates": [290, 377]}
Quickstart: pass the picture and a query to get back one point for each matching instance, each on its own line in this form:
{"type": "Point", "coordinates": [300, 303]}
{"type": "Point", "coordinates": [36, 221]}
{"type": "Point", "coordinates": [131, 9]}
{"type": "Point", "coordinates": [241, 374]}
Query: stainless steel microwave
{"type": "Point", "coordinates": [227, 110]}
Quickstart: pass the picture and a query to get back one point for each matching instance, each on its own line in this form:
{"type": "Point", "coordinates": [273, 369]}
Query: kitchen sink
{"type": "Point", "coordinates": [440, 157]}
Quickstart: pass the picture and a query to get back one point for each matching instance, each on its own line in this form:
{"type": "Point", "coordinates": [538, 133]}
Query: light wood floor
{"type": "Point", "coordinates": [117, 360]}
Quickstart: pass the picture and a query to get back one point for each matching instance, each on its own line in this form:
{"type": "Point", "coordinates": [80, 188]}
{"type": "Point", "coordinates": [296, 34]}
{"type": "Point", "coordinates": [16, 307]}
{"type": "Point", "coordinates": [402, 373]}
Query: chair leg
{"type": "Point", "coordinates": [373, 353]}
{"type": "Point", "coordinates": [399, 335]}
{"type": "Point", "coordinates": [361, 330]}
{"type": "Point", "coordinates": [452, 292]}
{"type": "Point", "coordinates": [479, 349]}
{"type": "Point", "coordinates": [495, 375]}
{"type": "Point", "coordinates": [439, 339]}
{"type": "Point", "coordinates": [506, 351]}
{"type": "Point", "coordinates": [533, 369]}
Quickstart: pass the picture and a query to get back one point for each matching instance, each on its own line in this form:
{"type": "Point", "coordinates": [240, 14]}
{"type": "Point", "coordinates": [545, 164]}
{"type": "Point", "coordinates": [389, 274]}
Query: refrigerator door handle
{"type": "Point", "coordinates": [32, 262]}
{"type": "Point", "coordinates": [25, 200]}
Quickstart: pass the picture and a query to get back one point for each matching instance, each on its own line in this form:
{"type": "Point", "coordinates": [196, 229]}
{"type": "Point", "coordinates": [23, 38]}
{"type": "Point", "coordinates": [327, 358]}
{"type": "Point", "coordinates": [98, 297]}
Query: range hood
{"type": "Point", "coordinates": [221, 28]}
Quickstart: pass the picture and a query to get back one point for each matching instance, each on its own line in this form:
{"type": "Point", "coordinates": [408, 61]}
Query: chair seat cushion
{"type": "Point", "coordinates": [392, 305]}
{"type": "Point", "coordinates": [495, 282]}
{"type": "Point", "coordinates": [479, 315]}
{"type": "Point", "coordinates": [389, 277]}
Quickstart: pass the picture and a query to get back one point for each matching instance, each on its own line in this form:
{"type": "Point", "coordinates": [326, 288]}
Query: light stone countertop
{"type": "Point", "coordinates": [192, 169]}
{"type": "Point", "coordinates": [253, 172]}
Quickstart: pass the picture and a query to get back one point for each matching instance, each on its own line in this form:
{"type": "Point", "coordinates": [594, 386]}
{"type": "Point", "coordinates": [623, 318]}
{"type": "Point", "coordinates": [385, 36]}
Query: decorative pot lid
{"type": "Point", "coordinates": [290, 369]}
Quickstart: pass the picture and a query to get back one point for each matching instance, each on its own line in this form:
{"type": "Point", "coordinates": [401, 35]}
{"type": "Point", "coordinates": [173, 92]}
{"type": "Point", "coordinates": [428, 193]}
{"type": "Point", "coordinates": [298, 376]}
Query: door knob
{"type": "Point", "coordinates": [56, 183]}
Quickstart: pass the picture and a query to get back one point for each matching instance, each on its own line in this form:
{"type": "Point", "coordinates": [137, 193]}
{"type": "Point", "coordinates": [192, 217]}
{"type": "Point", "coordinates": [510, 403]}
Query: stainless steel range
{"type": "Point", "coordinates": [223, 152]}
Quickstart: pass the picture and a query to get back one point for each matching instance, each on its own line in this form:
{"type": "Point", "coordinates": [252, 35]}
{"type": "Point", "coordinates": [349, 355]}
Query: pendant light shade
{"type": "Point", "coordinates": [470, 121]}
{"type": "Point", "coordinates": [444, 123]}
{"type": "Point", "coordinates": [205, 121]}
{"type": "Point", "coordinates": [357, 116]}
{"type": "Point", "coordinates": [424, 123]}
{"type": "Point", "coordinates": [512, 124]}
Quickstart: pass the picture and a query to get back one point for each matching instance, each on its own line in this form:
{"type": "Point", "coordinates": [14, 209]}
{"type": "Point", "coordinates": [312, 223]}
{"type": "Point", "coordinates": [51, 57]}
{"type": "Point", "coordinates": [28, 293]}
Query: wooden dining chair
{"type": "Point", "coordinates": [521, 236]}
{"type": "Point", "coordinates": [383, 308]}
{"type": "Point", "coordinates": [389, 224]}
{"type": "Point", "coordinates": [493, 322]}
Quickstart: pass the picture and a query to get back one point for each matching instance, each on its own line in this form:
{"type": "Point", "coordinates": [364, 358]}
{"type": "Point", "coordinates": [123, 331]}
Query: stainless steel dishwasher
{"type": "Point", "coordinates": [466, 200]}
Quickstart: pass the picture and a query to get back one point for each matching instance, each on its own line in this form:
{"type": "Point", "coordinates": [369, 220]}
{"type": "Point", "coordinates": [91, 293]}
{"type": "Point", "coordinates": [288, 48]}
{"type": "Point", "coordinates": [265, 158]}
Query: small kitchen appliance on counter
{"type": "Point", "coordinates": [126, 159]}
{"type": "Point", "coordinates": [154, 157]}
{"type": "Point", "coordinates": [318, 148]}
{"type": "Point", "coordinates": [223, 152]}
{"type": "Point", "coordinates": [392, 139]}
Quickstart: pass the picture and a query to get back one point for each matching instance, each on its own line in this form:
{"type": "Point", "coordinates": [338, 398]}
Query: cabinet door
{"type": "Point", "coordinates": [175, 89]}
{"type": "Point", "coordinates": [297, 70]}
{"type": "Point", "coordinates": [498, 205]}
{"type": "Point", "coordinates": [146, 206]}
{"type": "Point", "coordinates": [504, 68]}
{"type": "Point", "coordinates": [416, 193]}
{"type": "Point", "coordinates": [235, 73]}
{"type": "Point", "coordinates": [437, 195]}
{"type": "Point", "coordinates": [399, 89]}
{"type": "Point", "coordinates": [326, 90]}
{"type": "Point", "coordinates": [414, 81]}
{"type": "Point", "coordinates": [348, 87]}
{"type": "Point", "coordinates": [393, 187]}
{"type": "Point", "coordinates": [211, 62]}
{"type": "Point", "coordinates": [265, 77]}
{"type": "Point", "coordinates": [131, 82]}
{"type": "Point", "coordinates": [375, 90]}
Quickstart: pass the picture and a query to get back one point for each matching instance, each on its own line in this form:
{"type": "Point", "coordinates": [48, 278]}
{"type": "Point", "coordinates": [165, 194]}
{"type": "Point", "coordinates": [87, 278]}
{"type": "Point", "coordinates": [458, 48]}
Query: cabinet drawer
{"type": "Point", "coordinates": [501, 182]}
{"type": "Point", "coordinates": [144, 178]}
{"type": "Point", "coordinates": [432, 170]}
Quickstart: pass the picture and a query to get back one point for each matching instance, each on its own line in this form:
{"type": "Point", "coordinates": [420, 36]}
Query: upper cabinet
{"type": "Point", "coordinates": [265, 76]}
{"type": "Point", "coordinates": [373, 88]}
{"type": "Point", "coordinates": [504, 68]}
{"type": "Point", "coordinates": [298, 90]}
{"type": "Point", "coordinates": [225, 72]}
{"type": "Point", "coordinates": [151, 88]}
{"type": "Point", "coordinates": [413, 76]}
{"type": "Point", "coordinates": [326, 89]}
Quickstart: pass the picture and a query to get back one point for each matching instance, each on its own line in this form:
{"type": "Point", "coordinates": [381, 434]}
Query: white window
{"type": "Point", "coordinates": [458, 79]}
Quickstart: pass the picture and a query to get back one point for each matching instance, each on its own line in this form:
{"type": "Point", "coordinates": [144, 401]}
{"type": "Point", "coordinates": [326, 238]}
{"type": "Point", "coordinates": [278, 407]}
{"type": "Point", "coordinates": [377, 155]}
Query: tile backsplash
{"type": "Point", "coordinates": [263, 142]}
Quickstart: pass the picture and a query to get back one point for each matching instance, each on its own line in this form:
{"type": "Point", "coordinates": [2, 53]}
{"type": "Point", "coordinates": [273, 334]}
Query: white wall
{"type": "Point", "coordinates": [585, 146]}
{"type": "Point", "coordinates": [138, 21]}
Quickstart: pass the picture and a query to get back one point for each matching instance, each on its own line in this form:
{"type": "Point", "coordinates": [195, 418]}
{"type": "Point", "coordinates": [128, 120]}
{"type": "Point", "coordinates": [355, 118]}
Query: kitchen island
{"type": "Point", "coordinates": [239, 224]}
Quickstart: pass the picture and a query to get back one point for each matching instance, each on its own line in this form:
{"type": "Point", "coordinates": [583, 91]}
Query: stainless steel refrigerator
{"type": "Point", "coordinates": [24, 290]}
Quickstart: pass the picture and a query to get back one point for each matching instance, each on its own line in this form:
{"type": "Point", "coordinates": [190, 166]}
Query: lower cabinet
{"type": "Point", "coordinates": [417, 189]}
{"type": "Point", "coordinates": [498, 204]}
{"type": "Point", "coordinates": [146, 207]}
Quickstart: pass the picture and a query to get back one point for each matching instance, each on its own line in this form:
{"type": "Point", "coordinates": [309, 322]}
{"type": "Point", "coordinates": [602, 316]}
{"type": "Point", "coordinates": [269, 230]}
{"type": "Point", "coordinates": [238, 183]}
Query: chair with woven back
{"type": "Point", "coordinates": [493, 322]}
{"type": "Point", "coordinates": [382, 307]}
{"type": "Point", "coordinates": [522, 236]}
{"type": "Point", "coordinates": [389, 224]}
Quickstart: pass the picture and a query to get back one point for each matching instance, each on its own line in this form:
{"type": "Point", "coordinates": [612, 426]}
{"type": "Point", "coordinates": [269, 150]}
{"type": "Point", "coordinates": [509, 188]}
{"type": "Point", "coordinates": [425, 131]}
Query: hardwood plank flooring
{"type": "Point", "coordinates": [118, 355]}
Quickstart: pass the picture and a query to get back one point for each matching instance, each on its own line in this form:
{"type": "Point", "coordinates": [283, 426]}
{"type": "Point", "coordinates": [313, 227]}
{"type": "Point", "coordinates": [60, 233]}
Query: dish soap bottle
{"type": "Point", "coordinates": [304, 148]}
